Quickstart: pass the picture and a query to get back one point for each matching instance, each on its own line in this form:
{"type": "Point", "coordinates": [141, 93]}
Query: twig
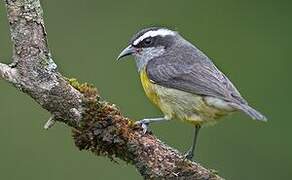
{"type": "Point", "coordinates": [7, 73]}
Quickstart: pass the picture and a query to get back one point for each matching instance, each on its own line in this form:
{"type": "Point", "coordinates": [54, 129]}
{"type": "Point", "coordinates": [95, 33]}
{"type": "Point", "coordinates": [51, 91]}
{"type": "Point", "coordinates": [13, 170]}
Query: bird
{"type": "Point", "coordinates": [183, 82]}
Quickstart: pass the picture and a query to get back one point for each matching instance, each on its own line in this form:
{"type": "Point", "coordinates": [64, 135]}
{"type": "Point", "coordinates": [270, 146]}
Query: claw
{"type": "Point", "coordinates": [145, 128]}
{"type": "Point", "coordinates": [144, 124]}
{"type": "Point", "coordinates": [189, 155]}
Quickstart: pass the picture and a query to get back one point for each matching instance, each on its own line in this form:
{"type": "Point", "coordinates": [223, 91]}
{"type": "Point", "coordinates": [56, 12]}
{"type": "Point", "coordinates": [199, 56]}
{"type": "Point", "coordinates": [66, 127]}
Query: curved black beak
{"type": "Point", "coordinates": [126, 52]}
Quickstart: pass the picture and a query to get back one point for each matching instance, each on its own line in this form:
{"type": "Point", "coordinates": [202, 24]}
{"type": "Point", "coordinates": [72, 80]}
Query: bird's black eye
{"type": "Point", "coordinates": [147, 41]}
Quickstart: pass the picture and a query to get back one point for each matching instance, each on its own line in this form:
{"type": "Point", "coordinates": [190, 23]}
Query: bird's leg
{"type": "Point", "coordinates": [190, 154]}
{"type": "Point", "coordinates": [145, 122]}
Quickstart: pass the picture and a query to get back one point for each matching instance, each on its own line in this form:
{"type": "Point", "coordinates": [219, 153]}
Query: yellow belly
{"type": "Point", "coordinates": [181, 105]}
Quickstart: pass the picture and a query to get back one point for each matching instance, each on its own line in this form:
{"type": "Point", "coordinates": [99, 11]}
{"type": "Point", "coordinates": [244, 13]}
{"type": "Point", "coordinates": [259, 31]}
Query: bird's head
{"type": "Point", "coordinates": [148, 44]}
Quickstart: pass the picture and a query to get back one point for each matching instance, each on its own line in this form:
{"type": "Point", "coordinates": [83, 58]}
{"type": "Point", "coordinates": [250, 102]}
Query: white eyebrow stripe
{"type": "Point", "coordinates": [159, 32]}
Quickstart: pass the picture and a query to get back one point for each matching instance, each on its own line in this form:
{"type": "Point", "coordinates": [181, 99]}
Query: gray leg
{"type": "Point", "coordinates": [190, 153]}
{"type": "Point", "coordinates": [145, 122]}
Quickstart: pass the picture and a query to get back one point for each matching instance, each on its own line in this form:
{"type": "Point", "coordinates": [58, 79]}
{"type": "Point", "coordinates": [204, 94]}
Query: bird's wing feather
{"type": "Point", "coordinates": [193, 72]}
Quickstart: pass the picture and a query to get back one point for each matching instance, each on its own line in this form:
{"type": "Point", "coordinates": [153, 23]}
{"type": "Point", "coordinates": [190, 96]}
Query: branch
{"type": "Point", "coordinates": [97, 126]}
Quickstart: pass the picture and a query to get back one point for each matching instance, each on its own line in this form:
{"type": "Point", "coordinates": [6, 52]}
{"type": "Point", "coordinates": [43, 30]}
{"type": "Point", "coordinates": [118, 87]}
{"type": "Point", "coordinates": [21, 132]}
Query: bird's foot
{"type": "Point", "coordinates": [189, 155]}
{"type": "Point", "coordinates": [144, 123]}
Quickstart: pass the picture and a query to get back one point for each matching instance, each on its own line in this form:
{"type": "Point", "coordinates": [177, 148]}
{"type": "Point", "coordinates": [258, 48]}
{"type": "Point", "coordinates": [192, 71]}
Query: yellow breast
{"type": "Point", "coordinates": [149, 87]}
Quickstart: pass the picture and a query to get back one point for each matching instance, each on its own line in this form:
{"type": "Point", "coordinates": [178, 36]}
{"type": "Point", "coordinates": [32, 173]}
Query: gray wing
{"type": "Point", "coordinates": [192, 71]}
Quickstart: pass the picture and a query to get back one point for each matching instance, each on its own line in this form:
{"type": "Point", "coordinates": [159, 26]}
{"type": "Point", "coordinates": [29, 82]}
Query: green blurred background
{"type": "Point", "coordinates": [248, 40]}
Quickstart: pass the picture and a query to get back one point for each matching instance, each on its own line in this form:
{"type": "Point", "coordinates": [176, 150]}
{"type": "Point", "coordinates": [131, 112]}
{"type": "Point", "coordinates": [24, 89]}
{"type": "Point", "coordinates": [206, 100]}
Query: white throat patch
{"type": "Point", "coordinates": [153, 33]}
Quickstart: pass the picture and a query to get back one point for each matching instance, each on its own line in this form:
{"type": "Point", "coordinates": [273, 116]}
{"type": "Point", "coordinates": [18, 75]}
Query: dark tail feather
{"type": "Point", "coordinates": [254, 114]}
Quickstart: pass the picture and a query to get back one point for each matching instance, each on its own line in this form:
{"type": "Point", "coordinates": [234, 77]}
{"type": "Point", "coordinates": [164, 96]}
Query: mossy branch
{"type": "Point", "coordinates": [97, 126]}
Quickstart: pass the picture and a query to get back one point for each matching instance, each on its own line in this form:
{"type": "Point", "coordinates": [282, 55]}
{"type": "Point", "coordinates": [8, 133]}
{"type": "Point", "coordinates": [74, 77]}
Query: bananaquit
{"type": "Point", "coordinates": [182, 81]}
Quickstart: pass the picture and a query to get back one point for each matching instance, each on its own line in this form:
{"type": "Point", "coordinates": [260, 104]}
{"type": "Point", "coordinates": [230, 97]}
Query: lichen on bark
{"type": "Point", "coordinates": [97, 126]}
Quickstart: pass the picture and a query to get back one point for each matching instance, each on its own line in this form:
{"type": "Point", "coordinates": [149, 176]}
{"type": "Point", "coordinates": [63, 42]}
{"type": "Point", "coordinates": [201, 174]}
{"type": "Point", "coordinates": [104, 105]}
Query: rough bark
{"type": "Point", "coordinates": [97, 126]}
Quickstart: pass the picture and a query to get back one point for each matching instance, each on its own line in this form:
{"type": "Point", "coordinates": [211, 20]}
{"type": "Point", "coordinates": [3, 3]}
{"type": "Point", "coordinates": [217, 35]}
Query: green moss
{"type": "Point", "coordinates": [103, 130]}
{"type": "Point", "coordinates": [214, 171]}
{"type": "Point", "coordinates": [73, 82]}
{"type": "Point", "coordinates": [88, 90]}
